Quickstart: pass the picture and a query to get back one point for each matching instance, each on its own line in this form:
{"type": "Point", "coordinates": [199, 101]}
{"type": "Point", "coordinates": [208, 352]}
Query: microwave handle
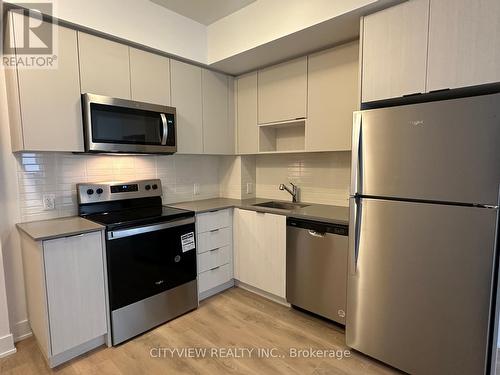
{"type": "Point", "coordinates": [165, 129]}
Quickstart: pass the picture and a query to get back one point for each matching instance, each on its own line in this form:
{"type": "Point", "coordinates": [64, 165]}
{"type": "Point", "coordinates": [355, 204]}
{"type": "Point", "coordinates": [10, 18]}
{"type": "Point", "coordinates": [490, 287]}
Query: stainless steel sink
{"type": "Point", "coordinates": [289, 206]}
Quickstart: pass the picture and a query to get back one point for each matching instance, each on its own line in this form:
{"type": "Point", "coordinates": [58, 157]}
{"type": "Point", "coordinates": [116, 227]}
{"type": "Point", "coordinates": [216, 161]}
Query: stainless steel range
{"type": "Point", "coordinates": [150, 253]}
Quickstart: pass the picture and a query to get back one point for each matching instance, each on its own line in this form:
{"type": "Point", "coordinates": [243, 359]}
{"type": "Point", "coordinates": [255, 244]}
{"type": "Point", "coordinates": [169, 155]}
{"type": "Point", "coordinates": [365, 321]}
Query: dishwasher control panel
{"type": "Point", "coordinates": [319, 227]}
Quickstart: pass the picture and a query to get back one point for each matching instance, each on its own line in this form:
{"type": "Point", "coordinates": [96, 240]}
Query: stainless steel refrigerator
{"type": "Point", "coordinates": [422, 278]}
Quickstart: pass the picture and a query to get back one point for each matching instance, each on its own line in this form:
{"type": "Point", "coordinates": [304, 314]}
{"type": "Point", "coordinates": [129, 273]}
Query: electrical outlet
{"type": "Point", "coordinates": [249, 187]}
{"type": "Point", "coordinates": [196, 189]}
{"type": "Point", "coordinates": [49, 202]}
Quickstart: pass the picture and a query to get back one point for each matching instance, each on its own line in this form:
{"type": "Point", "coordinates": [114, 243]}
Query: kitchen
{"type": "Point", "coordinates": [296, 188]}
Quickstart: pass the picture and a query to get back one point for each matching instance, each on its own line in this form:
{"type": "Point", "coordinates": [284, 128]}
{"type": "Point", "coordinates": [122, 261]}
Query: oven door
{"type": "Point", "coordinates": [126, 126]}
{"type": "Point", "coordinates": [144, 261]}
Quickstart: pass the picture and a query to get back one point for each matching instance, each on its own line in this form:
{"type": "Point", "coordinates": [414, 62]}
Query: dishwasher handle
{"type": "Point", "coordinates": [316, 234]}
{"type": "Point", "coordinates": [318, 228]}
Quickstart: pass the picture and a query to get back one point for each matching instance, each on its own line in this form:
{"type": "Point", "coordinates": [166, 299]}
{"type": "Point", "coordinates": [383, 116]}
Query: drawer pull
{"type": "Point", "coordinates": [214, 230]}
{"type": "Point", "coordinates": [217, 248]}
{"type": "Point", "coordinates": [215, 268]}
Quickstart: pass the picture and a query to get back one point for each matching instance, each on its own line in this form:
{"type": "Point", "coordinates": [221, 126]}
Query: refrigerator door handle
{"type": "Point", "coordinates": [354, 233]}
{"type": "Point", "coordinates": [356, 150]}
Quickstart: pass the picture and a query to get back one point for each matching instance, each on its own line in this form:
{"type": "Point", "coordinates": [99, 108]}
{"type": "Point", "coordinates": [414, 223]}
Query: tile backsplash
{"type": "Point", "coordinates": [322, 177]}
{"type": "Point", "coordinates": [58, 173]}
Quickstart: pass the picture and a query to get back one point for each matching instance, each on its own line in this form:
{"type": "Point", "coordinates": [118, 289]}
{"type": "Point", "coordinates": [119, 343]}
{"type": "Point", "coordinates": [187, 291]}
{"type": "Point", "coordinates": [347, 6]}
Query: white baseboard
{"type": "Point", "coordinates": [7, 346]}
{"type": "Point", "coordinates": [21, 330]}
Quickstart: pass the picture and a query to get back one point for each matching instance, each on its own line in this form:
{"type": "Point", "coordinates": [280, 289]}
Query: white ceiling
{"type": "Point", "coordinates": [204, 11]}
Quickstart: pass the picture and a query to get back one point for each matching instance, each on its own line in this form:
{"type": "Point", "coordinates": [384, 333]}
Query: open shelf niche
{"type": "Point", "coordinates": [288, 136]}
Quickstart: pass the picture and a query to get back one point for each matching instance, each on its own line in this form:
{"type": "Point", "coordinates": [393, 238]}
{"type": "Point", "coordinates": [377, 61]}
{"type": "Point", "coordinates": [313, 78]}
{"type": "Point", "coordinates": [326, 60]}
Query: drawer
{"type": "Point", "coordinates": [214, 277]}
{"type": "Point", "coordinates": [214, 258]}
{"type": "Point", "coordinates": [213, 220]}
{"type": "Point", "coordinates": [214, 239]}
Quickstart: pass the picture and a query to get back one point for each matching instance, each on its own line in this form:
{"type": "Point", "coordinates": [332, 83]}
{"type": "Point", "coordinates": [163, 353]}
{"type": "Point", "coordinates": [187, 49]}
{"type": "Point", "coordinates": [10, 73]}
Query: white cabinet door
{"type": "Point", "coordinates": [149, 77]}
{"type": "Point", "coordinates": [218, 130]}
{"type": "Point", "coordinates": [260, 250]}
{"type": "Point", "coordinates": [395, 51]}
{"type": "Point", "coordinates": [246, 114]}
{"type": "Point", "coordinates": [187, 98]}
{"type": "Point", "coordinates": [245, 246]}
{"type": "Point", "coordinates": [464, 43]}
{"type": "Point", "coordinates": [282, 91]}
{"type": "Point", "coordinates": [49, 99]}
{"type": "Point", "coordinates": [332, 96]}
{"type": "Point", "coordinates": [271, 230]}
{"type": "Point", "coordinates": [74, 276]}
{"type": "Point", "coordinates": [104, 66]}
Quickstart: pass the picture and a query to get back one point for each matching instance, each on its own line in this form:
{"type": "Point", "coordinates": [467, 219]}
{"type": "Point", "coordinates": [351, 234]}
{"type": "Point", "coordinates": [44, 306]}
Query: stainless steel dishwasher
{"type": "Point", "coordinates": [316, 267]}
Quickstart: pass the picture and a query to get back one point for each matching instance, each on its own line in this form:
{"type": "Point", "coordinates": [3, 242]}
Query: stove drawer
{"type": "Point", "coordinates": [214, 277]}
{"type": "Point", "coordinates": [214, 258]}
{"type": "Point", "coordinates": [213, 220]}
{"type": "Point", "coordinates": [214, 239]}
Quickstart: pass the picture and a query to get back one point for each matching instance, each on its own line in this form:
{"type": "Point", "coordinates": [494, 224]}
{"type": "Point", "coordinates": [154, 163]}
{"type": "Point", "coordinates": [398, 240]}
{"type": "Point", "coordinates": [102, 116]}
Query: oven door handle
{"type": "Point", "coordinates": [121, 233]}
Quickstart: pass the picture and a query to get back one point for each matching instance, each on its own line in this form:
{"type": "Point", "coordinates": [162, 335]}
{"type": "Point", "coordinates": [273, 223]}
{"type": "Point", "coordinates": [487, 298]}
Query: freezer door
{"type": "Point", "coordinates": [420, 285]}
{"type": "Point", "coordinates": [438, 151]}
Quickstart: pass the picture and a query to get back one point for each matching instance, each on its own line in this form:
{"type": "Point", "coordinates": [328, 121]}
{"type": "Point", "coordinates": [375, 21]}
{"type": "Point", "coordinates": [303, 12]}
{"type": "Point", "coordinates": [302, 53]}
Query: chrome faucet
{"type": "Point", "coordinates": [294, 192]}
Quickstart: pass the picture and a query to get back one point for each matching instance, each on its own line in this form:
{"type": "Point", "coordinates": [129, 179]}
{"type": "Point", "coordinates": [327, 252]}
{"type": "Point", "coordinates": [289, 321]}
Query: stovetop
{"type": "Point", "coordinates": [138, 216]}
{"type": "Point", "coordinates": [126, 203]}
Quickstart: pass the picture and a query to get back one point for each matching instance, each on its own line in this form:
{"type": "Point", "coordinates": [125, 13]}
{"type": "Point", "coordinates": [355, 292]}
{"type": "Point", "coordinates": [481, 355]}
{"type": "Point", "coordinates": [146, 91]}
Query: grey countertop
{"type": "Point", "coordinates": [61, 227]}
{"type": "Point", "coordinates": [318, 212]}
{"type": "Point", "coordinates": [74, 225]}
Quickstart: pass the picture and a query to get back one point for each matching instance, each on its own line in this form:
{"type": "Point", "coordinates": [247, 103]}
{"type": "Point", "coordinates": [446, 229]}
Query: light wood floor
{"type": "Point", "coordinates": [235, 318]}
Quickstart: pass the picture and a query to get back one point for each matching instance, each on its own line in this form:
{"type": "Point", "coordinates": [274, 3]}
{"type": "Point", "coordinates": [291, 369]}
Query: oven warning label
{"type": "Point", "coordinates": [187, 241]}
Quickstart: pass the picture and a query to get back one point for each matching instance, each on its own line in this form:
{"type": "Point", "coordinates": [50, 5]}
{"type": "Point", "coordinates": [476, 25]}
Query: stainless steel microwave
{"type": "Point", "coordinates": [114, 125]}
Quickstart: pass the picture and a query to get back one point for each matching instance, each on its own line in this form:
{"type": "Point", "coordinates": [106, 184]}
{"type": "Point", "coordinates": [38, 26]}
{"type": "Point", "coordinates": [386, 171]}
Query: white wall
{"type": "Point", "coordinates": [266, 20]}
{"type": "Point", "coordinates": [140, 21]}
{"type": "Point", "coordinates": [10, 214]}
{"type": "Point", "coordinates": [6, 340]}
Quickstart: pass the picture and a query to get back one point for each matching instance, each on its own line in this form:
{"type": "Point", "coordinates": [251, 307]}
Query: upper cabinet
{"type": "Point", "coordinates": [218, 123]}
{"type": "Point", "coordinates": [104, 66]}
{"type": "Point", "coordinates": [246, 114]}
{"type": "Point", "coordinates": [332, 96]}
{"type": "Point", "coordinates": [395, 51]}
{"type": "Point", "coordinates": [421, 46]}
{"type": "Point", "coordinates": [304, 105]}
{"type": "Point", "coordinates": [149, 77]}
{"type": "Point", "coordinates": [282, 92]}
{"type": "Point", "coordinates": [46, 102]}
{"type": "Point", "coordinates": [464, 43]}
{"type": "Point", "coordinates": [187, 98]}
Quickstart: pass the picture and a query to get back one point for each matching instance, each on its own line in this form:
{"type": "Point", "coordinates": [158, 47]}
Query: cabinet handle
{"type": "Point", "coordinates": [217, 248]}
{"type": "Point", "coordinates": [214, 230]}
{"type": "Point", "coordinates": [215, 268]}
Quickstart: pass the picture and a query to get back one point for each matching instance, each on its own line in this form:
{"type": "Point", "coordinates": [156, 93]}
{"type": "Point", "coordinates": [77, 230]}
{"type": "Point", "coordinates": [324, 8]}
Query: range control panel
{"type": "Point", "coordinates": [109, 191]}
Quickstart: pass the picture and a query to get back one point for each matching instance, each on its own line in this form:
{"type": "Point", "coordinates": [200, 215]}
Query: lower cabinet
{"type": "Point", "coordinates": [260, 250]}
{"type": "Point", "coordinates": [65, 287]}
{"type": "Point", "coordinates": [214, 237]}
